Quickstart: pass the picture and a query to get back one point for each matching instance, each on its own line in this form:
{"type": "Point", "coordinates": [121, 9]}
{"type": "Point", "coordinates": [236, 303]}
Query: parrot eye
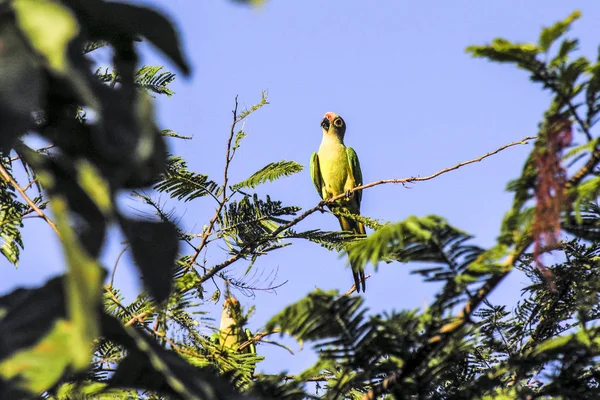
{"type": "Point", "coordinates": [338, 122]}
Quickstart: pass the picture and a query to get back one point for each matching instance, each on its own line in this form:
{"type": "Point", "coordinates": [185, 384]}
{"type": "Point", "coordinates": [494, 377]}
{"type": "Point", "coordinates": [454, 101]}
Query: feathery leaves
{"type": "Point", "coordinates": [183, 184]}
{"type": "Point", "coordinates": [270, 172]}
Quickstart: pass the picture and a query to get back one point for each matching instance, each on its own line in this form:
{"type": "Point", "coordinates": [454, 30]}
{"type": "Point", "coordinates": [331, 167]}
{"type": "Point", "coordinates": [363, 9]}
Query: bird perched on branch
{"type": "Point", "coordinates": [232, 331]}
{"type": "Point", "coordinates": [232, 334]}
{"type": "Point", "coordinates": [335, 170]}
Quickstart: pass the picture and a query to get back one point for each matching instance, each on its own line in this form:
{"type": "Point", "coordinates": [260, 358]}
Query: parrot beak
{"type": "Point", "coordinates": [325, 123]}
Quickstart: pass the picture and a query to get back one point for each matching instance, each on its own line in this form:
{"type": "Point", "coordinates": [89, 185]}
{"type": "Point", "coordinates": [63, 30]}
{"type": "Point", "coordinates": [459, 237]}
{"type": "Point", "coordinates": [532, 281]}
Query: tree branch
{"type": "Point", "coordinates": [440, 172]}
{"type": "Point", "coordinates": [257, 338]}
{"type": "Point", "coordinates": [223, 201]}
{"type": "Point", "coordinates": [253, 245]}
{"type": "Point", "coordinates": [40, 150]}
{"type": "Point", "coordinates": [9, 179]}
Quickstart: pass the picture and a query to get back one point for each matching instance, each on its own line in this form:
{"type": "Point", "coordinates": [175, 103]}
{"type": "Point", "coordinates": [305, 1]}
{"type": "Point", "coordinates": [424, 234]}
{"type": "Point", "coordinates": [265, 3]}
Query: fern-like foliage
{"type": "Point", "coordinates": [183, 184]}
{"type": "Point", "coordinates": [152, 79]}
{"type": "Point", "coordinates": [398, 241]}
{"type": "Point", "coordinates": [11, 222]}
{"type": "Point", "coordinates": [94, 45]}
{"type": "Point", "coordinates": [162, 214]}
{"type": "Point", "coordinates": [149, 78]}
{"type": "Point", "coordinates": [173, 134]}
{"type": "Point", "coordinates": [584, 222]}
{"type": "Point", "coordinates": [270, 172]}
{"type": "Point", "coordinates": [251, 219]}
{"type": "Point", "coordinates": [356, 351]}
{"type": "Point", "coordinates": [335, 241]}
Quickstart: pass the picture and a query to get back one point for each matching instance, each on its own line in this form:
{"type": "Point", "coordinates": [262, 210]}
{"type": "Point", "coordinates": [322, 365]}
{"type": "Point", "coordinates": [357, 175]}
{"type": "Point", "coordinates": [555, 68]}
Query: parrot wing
{"type": "Point", "coordinates": [355, 171]}
{"type": "Point", "coordinates": [249, 336]}
{"type": "Point", "coordinates": [315, 173]}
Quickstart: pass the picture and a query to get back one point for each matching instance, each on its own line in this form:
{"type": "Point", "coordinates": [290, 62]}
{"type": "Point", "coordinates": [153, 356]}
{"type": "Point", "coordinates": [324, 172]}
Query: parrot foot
{"type": "Point", "coordinates": [349, 194]}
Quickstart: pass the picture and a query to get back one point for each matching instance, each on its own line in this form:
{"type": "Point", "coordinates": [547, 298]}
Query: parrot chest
{"type": "Point", "coordinates": [333, 162]}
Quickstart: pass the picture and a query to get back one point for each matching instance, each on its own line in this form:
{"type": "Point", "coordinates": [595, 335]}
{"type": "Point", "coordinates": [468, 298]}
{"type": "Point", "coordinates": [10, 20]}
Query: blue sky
{"type": "Point", "coordinates": [414, 103]}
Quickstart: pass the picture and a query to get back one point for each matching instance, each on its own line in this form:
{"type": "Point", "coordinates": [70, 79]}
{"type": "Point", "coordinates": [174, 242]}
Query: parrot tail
{"type": "Point", "coordinates": [351, 225]}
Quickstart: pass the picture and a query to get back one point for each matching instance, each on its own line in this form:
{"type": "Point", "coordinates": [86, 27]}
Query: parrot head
{"type": "Point", "coordinates": [334, 124]}
{"type": "Point", "coordinates": [232, 308]}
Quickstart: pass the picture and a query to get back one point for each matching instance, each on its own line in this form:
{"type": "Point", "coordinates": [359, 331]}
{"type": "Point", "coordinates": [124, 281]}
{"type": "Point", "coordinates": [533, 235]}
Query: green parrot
{"type": "Point", "coordinates": [231, 331]}
{"type": "Point", "coordinates": [334, 170]}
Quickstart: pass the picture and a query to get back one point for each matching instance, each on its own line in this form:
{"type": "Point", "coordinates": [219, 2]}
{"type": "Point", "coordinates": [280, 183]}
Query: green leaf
{"type": "Point", "coordinates": [270, 172]}
{"type": "Point", "coordinates": [11, 220]}
{"type": "Point", "coordinates": [571, 73]}
{"type": "Point", "coordinates": [251, 219]}
{"type": "Point", "coordinates": [550, 34]}
{"type": "Point", "coordinates": [448, 248]}
{"type": "Point", "coordinates": [584, 192]}
{"type": "Point", "coordinates": [366, 221]}
{"type": "Point", "coordinates": [566, 47]}
{"type": "Point", "coordinates": [247, 112]}
{"type": "Point", "coordinates": [584, 221]}
{"type": "Point", "coordinates": [388, 241]}
{"type": "Point", "coordinates": [239, 136]}
{"type": "Point", "coordinates": [150, 78]}
{"type": "Point", "coordinates": [98, 190]}
{"type": "Point", "coordinates": [49, 27]}
{"type": "Point", "coordinates": [90, 390]}
{"type": "Point", "coordinates": [88, 197]}
{"type": "Point", "coordinates": [147, 78]}
{"type": "Point", "coordinates": [173, 134]}
{"type": "Point", "coordinates": [114, 21]}
{"type": "Point", "coordinates": [559, 343]}
{"type": "Point", "coordinates": [578, 150]}
{"type": "Point", "coordinates": [501, 50]}
{"type": "Point", "coordinates": [83, 281]}
{"type": "Point", "coordinates": [84, 288]}
{"type": "Point", "coordinates": [41, 366]}
{"type": "Point", "coordinates": [304, 319]}
{"type": "Point", "coordinates": [27, 315]}
{"type": "Point", "coordinates": [183, 184]}
{"type": "Point", "coordinates": [335, 241]}
{"type": "Point", "coordinates": [22, 83]}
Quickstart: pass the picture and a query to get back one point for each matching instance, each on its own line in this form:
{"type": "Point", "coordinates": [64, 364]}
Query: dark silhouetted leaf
{"type": "Point", "coordinates": [28, 314]}
{"type": "Point", "coordinates": [154, 246]}
{"type": "Point", "coordinates": [116, 21]}
{"type": "Point", "coordinates": [22, 84]}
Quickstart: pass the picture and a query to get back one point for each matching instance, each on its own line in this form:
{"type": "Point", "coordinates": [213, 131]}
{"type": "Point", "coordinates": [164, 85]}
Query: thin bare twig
{"type": "Point", "coordinates": [283, 346]}
{"type": "Point", "coordinates": [438, 173]}
{"type": "Point", "coordinates": [115, 300]}
{"type": "Point", "coordinates": [257, 338]}
{"type": "Point", "coordinates": [41, 150]}
{"type": "Point", "coordinates": [137, 318]}
{"type": "Point", "coordinates": [353, 288]}
{"type": "Point", "coordinates": [9, 179]}
{"type": "Point", "coordinates": [223, 201]}
{"type": "Point", "coordinates": [112, 276]}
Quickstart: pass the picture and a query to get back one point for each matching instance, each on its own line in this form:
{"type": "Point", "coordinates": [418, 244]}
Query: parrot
{"type": "Point", "coordinates": [231, 333]}
{"type": "Point", "coordinates": [335, 170]}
